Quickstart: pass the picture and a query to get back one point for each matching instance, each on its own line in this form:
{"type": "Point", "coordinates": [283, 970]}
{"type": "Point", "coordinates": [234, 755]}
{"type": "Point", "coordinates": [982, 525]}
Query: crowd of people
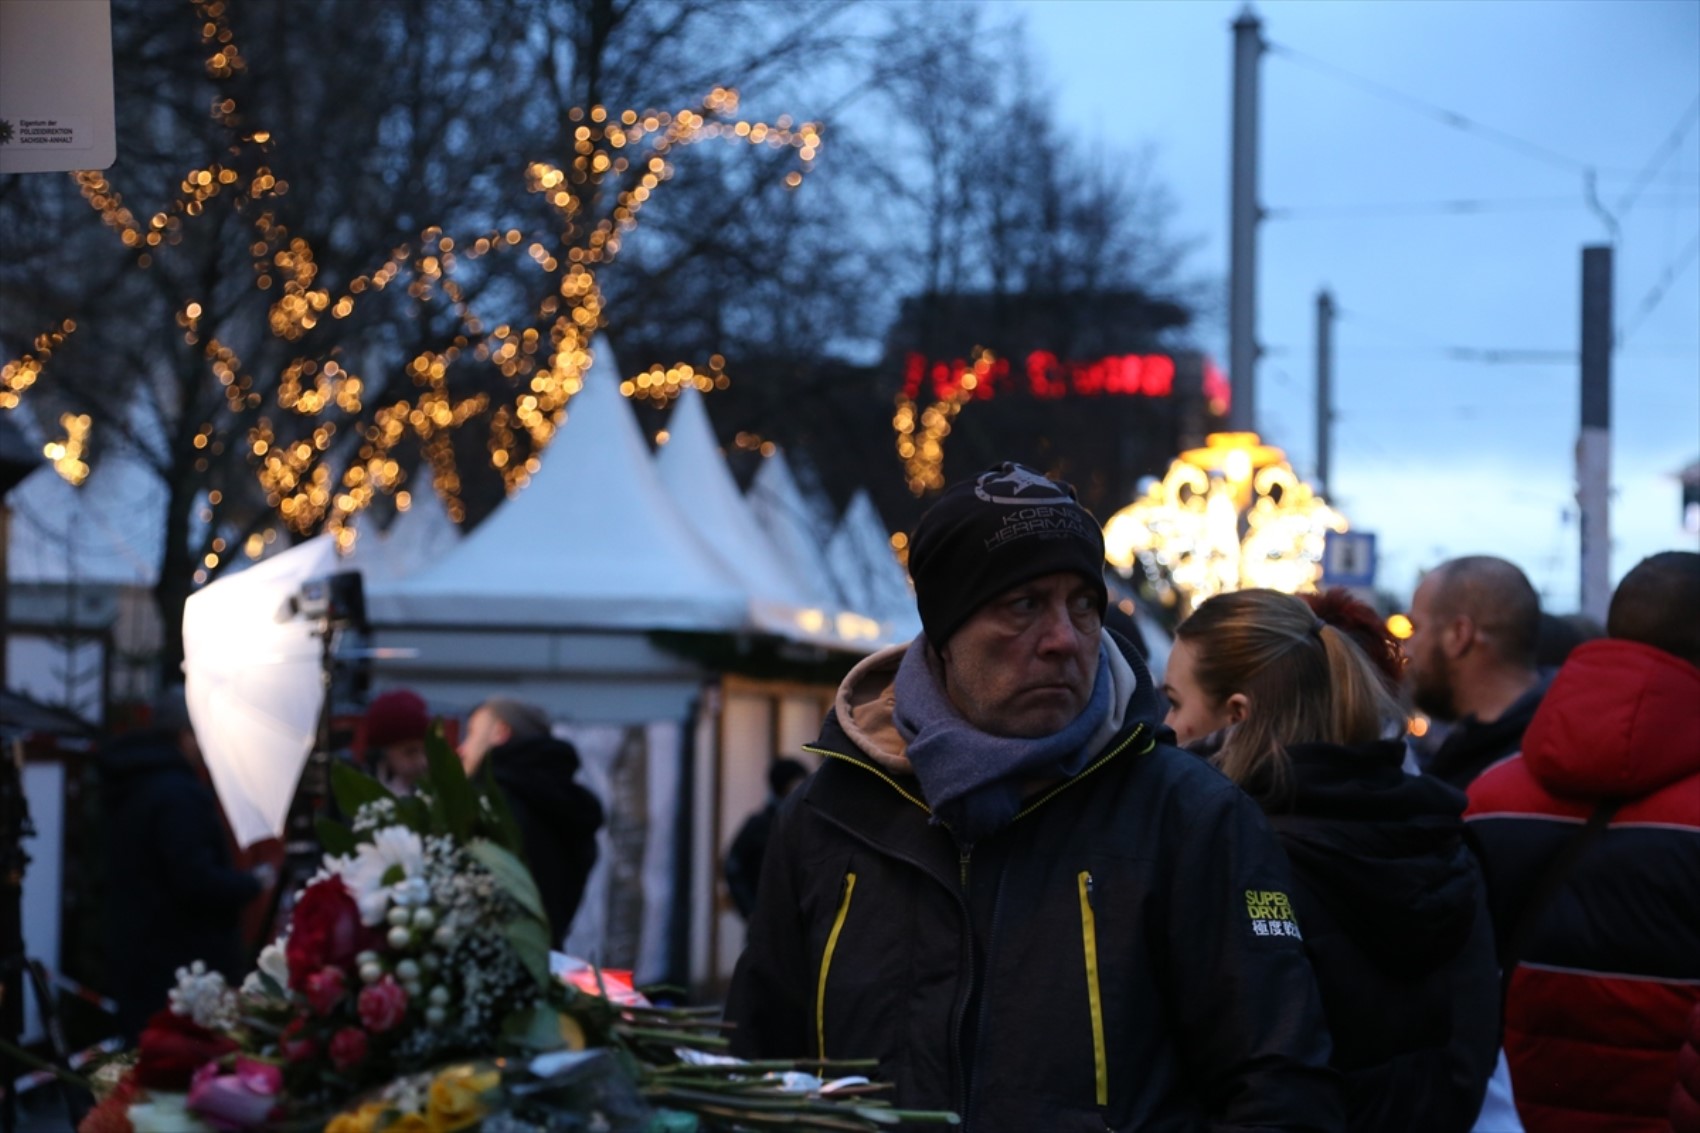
{"type": "Point", "coordinates": [1048, 893]}
{"type": "Point", "coordinates": [1049, 890]}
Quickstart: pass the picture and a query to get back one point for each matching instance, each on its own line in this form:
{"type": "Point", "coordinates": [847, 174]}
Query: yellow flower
{"type": "Point", "coordinates": [455, 1097]}
{"type": "Point", "coordinates": [409, 1123]}
{"type": "Point", "coordinates": [361, 1120]}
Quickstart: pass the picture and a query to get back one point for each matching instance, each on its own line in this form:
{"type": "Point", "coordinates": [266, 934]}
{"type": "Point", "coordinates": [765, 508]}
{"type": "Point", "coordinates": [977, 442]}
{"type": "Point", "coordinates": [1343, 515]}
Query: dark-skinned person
{"type": "Point", "coordinates": [1003, 886]}
{"type": "Point", "coordinates": [1390, 899]}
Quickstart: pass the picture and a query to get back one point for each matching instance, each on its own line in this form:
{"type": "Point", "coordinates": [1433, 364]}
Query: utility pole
{"type": "Point", "coordinates": [1244, 213]}
{"type": "Point", "coordinates": [1593, 445]}
{"type": "Point", "coordinates": [1324, 388]}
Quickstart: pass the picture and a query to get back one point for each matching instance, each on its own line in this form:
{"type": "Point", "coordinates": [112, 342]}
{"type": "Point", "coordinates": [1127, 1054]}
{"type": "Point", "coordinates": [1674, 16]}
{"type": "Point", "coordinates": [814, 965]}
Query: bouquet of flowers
{"type": "Point", "coordinates": [414, 991]}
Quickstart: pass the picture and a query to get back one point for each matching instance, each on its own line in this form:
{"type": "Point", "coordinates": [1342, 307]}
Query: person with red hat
{"type": "Point", "coordinates": [396, 723]}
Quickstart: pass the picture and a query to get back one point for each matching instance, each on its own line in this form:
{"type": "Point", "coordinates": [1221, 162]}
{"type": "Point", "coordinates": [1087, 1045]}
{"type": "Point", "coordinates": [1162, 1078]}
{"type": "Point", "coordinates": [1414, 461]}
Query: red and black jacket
{"type": "Point", "coordinates": [1611, 970]}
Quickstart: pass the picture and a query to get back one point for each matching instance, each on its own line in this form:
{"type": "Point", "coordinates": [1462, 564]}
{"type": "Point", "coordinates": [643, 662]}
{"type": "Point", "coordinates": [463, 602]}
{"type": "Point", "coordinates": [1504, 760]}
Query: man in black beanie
{"type": "Point", "coordinates": [1006, 885]}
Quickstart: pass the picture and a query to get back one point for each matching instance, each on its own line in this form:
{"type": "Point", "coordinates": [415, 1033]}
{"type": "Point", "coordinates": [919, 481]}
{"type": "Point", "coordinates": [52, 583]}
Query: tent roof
{"type": "Point", "coordinates": [592, 542]}
{"type": "Point", "coordinates": [107, 531]}
{"type": "Point", "coordinates": [797, 529]}
{"type": "Point", "coordinates": [414, 540]}
{"type": "Point", "coordinates": [867, 572]}
{"type": "Point", "coordinates": [701, 485]}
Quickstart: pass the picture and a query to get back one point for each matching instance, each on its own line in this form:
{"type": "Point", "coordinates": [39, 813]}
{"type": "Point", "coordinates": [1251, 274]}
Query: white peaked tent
{"type": "Point", "coordinates": [695, 475]}
{"type": "Point", "coordinates": [414, 541]}
{"type": "Point", "coordinates": [796, 528]}
{"type": "Point", "coordinates": [107, 531]}
{"type": "Point", "coordinates": [867, 572]}
{"type": "Point", "coordinates": [593, 542]}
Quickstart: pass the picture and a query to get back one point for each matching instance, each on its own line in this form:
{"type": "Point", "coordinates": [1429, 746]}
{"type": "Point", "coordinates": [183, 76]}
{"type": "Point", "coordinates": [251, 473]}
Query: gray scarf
{"type": "Point", "coordinates": [974, 781]}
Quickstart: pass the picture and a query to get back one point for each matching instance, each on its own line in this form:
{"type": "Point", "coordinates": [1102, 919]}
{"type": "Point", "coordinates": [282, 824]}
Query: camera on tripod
{"type": "Point", "coordinates": [336, 601]}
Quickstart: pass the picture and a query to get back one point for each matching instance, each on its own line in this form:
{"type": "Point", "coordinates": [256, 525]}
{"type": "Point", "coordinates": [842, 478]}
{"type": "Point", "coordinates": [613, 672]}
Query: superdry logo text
{"type": "Point", "coordinates": [1271, 913]}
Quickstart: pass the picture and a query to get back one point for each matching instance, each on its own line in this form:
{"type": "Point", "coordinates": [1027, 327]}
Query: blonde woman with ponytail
{"type": "Point", "coordinates": [1285, 700]}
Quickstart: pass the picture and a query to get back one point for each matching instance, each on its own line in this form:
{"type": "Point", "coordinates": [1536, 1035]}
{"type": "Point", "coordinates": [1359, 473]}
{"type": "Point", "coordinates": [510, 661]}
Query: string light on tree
{"type": "Point", "coordinates": [315, 410]}
{"type": "Point", "coordinates": [1225, 517]}
{"type": "Point", "coordinates": [67, 455]}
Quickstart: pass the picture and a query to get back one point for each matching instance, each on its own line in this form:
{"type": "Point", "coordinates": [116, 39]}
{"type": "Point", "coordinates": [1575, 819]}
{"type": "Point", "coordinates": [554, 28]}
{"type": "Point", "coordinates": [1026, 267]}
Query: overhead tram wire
{"type": "Point", "coordinates": [1430, 110]}
{"type": "Point", "coordinates": [1660, 288]}
{"type": "Point", "coordinates": [1461, 207]}
{"type": "Point", "coordinates": [1666, 150]}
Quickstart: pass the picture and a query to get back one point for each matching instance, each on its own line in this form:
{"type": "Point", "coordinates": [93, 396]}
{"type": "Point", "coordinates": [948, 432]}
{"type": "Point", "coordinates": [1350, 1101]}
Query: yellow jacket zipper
{"type": "Point", "coordinates": [826, 963]}
{"type": "Point", "coordinates": [1094, 996]}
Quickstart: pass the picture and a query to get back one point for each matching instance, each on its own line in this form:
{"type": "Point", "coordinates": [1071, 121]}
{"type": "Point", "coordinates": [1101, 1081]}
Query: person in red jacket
{"type": "Point", "coordinates": [1603, 924]}
{"type": "Point", "coordinates": [1685, 1098]}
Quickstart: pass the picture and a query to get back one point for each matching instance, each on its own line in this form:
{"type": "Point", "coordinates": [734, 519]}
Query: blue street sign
{"type": "Point", "coordinates": [1348, 559]}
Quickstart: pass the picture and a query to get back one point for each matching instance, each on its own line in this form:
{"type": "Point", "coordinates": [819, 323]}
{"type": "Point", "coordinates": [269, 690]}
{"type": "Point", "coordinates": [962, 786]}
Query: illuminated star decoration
{"type": "Point", "coordinates": [542, 363]}
{"type": "Point", "coordinates": [1225, 517]}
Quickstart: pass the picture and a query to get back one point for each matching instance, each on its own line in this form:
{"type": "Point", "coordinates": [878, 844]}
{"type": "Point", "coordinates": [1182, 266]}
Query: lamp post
{"type": "Point", "coordinates": [1228, 516]}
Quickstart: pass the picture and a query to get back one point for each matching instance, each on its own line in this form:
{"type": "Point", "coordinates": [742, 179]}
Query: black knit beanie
{"type": "Point", "coordinates": [1006, 526]}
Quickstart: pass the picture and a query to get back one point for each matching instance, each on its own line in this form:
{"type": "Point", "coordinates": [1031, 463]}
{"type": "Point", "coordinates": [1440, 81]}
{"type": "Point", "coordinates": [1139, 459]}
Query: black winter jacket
{"type": "Point", "coordinates": [1472, 747]}
{"type": "Point", "coordinates": [1395, 918]}
{"type": "Point", "coordinates": [557, 820]}
{"type": "Point", "coordinates": [173, 895]}
{"type": "Point", "coordinates": [1122, 956]}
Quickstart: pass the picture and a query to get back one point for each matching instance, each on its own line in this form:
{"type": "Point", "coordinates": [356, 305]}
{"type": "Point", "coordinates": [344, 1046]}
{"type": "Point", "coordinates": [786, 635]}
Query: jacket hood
{"type": "Point", "coordinates": [542, 769]}
{"type": "Point", "coordinates": [1620, 721]}
{"type": "Point", "coordinates": [1383, 850]}
{"type": "Point", "coordinates": [865, 706]}
{"type": "Point", "coordinates": [142, 753]}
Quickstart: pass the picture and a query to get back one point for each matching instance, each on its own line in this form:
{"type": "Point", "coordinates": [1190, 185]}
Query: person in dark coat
{"type": "Point", "coordinates": [743, 859]}
{"type": "Point", "coordinates": [1390, 899]}
{"type": "Point", "coordinates": [557, 817]}
{"type": "Point", "coordinates": [1005, 889]}
{"type": "Point", "coordinates": [1475, 626]}
{"type": "Point", "coordinates": [173, 894]}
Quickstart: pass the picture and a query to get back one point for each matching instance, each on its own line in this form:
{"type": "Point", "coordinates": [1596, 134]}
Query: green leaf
{"type": "Point", "coordinates": [506, 831]}
{"type": "Point", "coordinates": [353, 788]}
{"type": "Point", "coordinates": [336, 838]}
{"type": "Point", "coordinates": [453, 799]}
{"type": "Point", "coordinates": [541, 1027]}
{"type": "Point", "coordinates": [414, 814]}
{"type": "Point", "coordinates": [530, 941]}
{"type": "Point", "coordinates": [510, 874]}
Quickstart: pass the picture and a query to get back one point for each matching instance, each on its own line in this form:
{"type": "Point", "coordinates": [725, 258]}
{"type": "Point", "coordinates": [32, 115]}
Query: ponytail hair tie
{"type": "Point", "coordinates": [1317, 627]}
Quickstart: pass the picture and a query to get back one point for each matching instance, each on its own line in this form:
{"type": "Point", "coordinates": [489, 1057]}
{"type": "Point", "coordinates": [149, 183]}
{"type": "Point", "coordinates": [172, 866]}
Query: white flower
{"type": "Point", "coordinates": [165, 1113]}
{"type": "Point", "coordinates": [274, 962]}
{"type": "Point", "coordinates": [381, 869]}
{"type": "Point", "coordinates": [204, 997]}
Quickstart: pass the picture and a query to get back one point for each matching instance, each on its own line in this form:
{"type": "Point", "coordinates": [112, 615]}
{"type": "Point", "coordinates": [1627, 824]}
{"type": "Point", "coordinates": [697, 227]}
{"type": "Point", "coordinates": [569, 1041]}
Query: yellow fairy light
{"type": "Point", "coordinates": [543, 363]}
{"type": "Point", "coordinates": [66, 456]}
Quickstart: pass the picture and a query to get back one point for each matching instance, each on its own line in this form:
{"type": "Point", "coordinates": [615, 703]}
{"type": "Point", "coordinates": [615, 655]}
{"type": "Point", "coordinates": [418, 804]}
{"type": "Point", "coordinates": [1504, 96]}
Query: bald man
{"type": "Point", "coordinates": [1475, 622]}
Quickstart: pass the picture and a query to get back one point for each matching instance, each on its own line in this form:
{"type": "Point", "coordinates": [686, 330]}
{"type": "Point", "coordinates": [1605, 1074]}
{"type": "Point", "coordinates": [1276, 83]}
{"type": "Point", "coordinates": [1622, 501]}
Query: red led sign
{"type": "Point", "coordinates": [1046, 375]}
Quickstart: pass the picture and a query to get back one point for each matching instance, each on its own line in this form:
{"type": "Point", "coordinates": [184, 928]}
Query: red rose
{"type": "Point", "coordinates": [324, 931]}
{"type": "Point", "coordinates": [382, 1005]}
{"type": "Point", "coordinates": [112, 1115]}
{"type": "Point", "coordinates": [295, 1046]}
{"type": "Point", "coordinates": [172, 1048]}
{"type": "Point", "coordinates": [325, 989]}
{"type": "Point", "coordinates": [348, 1048]}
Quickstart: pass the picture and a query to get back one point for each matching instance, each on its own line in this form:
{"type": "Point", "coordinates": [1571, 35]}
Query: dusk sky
{"type": "Point", "coordinates": [1441, 456]}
